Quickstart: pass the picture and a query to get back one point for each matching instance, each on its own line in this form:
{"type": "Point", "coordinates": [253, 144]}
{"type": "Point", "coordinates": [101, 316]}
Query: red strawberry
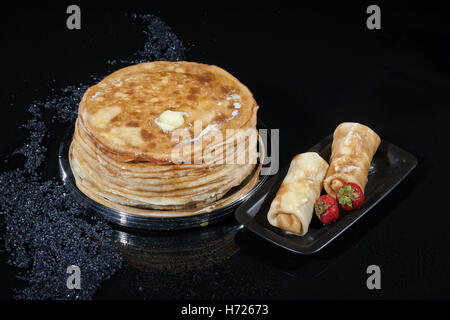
{"type": "Point", "coordinates": [350, 196]}
{"type": "Point", "coordinates": [327, 209]}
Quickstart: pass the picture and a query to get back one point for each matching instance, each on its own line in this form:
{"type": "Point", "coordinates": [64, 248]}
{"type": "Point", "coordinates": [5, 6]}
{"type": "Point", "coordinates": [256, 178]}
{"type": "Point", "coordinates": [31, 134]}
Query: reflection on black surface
{"type": "Point", "coordinates": [188, 250]}
{"type": "Point", "coordinates": [199, 249]}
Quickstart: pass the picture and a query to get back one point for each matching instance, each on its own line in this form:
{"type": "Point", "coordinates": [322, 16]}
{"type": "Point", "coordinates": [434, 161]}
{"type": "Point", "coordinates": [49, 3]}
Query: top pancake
{"type": "Point", "coordinates": [119, 112]}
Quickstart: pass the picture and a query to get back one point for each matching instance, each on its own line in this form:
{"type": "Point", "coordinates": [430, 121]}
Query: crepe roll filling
{"type": "Point", "coordinates": [289, 222]}
{"type": "Point", "coordinates": [353, 148]}
{"type": "Point", "coordinates": [292, 208]}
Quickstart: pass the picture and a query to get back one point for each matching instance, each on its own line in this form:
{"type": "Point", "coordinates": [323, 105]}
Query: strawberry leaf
{"type": "Point", "coordinates": [344, 200]}
{"type": "Point", "coordinates": [321, 207]}
{"type": "Point", "coordinates": [346, 194]}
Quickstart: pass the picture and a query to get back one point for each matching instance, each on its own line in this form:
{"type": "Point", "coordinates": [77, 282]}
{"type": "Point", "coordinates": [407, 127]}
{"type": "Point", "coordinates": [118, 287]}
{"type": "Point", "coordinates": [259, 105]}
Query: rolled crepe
{"type": "Point", "coordinates": [293, 205]}
{"type": "Point", "coordinates": [353, 148]}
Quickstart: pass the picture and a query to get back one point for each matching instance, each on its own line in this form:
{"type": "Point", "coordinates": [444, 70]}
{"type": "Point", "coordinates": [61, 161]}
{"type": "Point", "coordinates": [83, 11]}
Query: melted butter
{"type": "Point", "coordinates": [170, 120]}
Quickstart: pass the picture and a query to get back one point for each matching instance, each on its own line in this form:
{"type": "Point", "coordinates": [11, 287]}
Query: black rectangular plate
{"type": "Point", "coordinates": [389, 167]}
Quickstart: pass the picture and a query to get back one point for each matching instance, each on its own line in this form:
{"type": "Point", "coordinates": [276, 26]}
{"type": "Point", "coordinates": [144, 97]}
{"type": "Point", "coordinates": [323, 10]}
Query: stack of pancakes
{"type": "Point", "coordinates": [164, 135]}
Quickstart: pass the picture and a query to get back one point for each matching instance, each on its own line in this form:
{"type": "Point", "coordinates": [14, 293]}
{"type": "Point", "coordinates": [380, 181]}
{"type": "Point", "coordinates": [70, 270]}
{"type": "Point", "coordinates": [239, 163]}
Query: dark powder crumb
{"type": "Point", "coordinates": [161, 43]}
{"type": "Point", "coordinates": [46, 230]}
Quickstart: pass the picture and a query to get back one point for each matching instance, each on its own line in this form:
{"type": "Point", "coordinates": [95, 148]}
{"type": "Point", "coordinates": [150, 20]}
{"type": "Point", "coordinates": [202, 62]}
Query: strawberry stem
{"type": "Point", "coordinates": [321, 207]}
{"type": "Point", "coordinates": [346, 195]}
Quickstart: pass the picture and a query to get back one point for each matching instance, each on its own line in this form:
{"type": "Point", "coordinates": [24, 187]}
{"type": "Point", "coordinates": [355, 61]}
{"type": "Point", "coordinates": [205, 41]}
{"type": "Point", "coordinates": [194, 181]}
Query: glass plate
{"type": "Point", "coordinates": [154, 219]}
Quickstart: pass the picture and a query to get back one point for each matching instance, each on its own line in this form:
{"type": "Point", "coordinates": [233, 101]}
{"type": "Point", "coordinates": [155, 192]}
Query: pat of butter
{"type": "Point", "coordinates": [170, 120]}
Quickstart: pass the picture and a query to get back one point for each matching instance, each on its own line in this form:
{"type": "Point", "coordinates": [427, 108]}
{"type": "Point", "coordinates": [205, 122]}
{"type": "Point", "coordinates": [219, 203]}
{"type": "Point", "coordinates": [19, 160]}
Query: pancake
{"type": "Point", "coordinates": [121, 111]}
{"type": "Point", "coordinates": [133, 125]}
{"type": "Point", "coordinates": [118, 182]}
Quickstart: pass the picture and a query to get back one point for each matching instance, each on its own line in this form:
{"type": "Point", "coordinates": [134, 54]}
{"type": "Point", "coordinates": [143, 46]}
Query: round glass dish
{"type": "Point", "coordinates": [154, 219]}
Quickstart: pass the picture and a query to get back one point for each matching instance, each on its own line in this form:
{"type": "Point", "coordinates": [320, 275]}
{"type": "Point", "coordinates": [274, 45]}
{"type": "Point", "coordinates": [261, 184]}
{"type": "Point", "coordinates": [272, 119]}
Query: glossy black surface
{"type": "Point", "coordinates": [389, 167]}
{"type": "Point", "coordinates": [310, 68]}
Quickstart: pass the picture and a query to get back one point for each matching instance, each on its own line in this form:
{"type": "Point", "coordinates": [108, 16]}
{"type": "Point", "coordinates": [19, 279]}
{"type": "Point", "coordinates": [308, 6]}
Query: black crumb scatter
{"type": "Point", "coordinates": [46, 230]}
{"type": "Point", "coordinates": [161, 43]}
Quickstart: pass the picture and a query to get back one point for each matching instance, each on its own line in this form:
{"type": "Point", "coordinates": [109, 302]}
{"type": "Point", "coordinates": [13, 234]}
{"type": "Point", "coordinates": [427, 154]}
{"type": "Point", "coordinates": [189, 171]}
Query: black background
{"type": "Point", "coordinates": [310, 67]}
